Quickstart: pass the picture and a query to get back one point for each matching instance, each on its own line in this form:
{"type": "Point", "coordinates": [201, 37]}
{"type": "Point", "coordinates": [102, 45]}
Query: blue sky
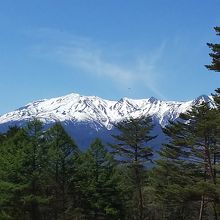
{"type": "Point", "coordinates": [107, 48]}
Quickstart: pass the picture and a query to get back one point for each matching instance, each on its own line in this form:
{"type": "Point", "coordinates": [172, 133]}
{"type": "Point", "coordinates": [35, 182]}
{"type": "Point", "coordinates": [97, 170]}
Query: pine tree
{"type": "Point", "coordinates": [188, 164]}
{"type": "Point", "coordinates": [11, 185]}
{"type": "Point", "coordinates": [99, 185]}
{"type": "Point", "coordinates": [132, 149]}
{"type": "Point", "coordinates": [215, 55]}
{"type": "Point", "coordinates": [216, 112]}
{"type": "Point", "coordinates": [37, 173]}
{"type": "Point", "coordinates": [35, 159]}
{"type": "Point", "coordinates": [62, 155]}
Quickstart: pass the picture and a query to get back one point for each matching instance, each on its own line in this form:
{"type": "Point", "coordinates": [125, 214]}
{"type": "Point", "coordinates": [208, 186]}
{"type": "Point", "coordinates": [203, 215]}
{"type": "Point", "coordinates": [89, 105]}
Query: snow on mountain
{"type": "Point", "coordinates": [94, 109]}
{"type": "Point", "coordinates": [96, 113]}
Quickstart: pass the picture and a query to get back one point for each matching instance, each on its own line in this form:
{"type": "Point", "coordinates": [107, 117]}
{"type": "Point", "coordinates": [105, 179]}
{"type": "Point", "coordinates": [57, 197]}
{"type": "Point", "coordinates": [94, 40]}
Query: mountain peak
{"type": "Point", "coordinates": [124, 99]}
{"type": "Point", "coordinates": [152, 99]}
{"type": "Point", "coordinates": [85, 116]}
{"type": "Point", "coordinates": [202, 98]}
{"type": "Point", "coordinates": [74, 107]}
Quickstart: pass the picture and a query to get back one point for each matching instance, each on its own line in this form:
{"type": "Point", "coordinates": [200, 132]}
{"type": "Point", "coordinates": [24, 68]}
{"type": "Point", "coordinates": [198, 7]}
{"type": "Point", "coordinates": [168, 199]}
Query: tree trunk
{"type": "Point", "coordinates": [56, 194]}
{"type": "Point", "coordinates": [138, 181]}
{"type": "Point", "coordinates": [201, 208]}
{"type": "Point", "coordinates": [215, 212]}
{"type": "Point", "coordinates": [140, 203]}
{"type": "Point", "coordinates": [35, 215]}
{"type": "Point", "coordinates": [212, 174]}
{"type": "Point", "coordinates": [63, 190]}
{"type": "Point", "coordinates": [34, 205]}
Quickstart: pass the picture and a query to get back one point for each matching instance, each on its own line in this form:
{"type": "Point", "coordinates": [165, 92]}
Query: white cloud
{"type": "Point", "coordinates": [93, 61]}
{"type": "Point", "coordinates": [85, 55]}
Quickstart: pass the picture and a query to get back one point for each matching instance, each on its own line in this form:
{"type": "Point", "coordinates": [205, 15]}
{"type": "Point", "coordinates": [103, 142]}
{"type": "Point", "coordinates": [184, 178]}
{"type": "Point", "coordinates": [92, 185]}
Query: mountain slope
{"type": "Point", "coordinates": [87, 117]}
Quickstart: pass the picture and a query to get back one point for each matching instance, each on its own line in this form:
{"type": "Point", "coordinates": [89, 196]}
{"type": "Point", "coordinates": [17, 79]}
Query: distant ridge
{"type": "Point", "coordinates": [94, 115]}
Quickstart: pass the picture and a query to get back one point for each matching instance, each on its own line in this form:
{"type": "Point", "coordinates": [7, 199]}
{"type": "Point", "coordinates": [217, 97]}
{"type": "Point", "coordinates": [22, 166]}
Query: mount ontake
{"type": "Point", "coordinates": [88, 117]}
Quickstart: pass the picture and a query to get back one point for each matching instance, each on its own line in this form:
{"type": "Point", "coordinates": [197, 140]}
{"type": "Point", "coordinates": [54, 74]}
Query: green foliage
{"type": "Point", "coordinates": [186, 172]}
{"type": "Point", "coordinates": [133, 139]}
{"type": "Point", "coordinates": [61, 169]}
{"type": "Point", "coordinates": [132, 150]}
{"type": "Point", "coordinates": [44, 176]}
{"type": "Point", "coordinates": [99, 183]}
{"type": "Point", "coordinates": [27, 158]}
{"type": "Point", "coordinates": [215, 55]}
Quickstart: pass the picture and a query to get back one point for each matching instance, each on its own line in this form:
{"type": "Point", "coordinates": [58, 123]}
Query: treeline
{"type": "Point", "coordinates": [45, 176]}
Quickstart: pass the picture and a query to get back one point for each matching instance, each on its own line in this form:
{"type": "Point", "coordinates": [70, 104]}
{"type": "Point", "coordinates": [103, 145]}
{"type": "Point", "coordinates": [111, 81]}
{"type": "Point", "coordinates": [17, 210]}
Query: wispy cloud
{"type": "Point", "coordinates": [93, 61]}
{"type": "Point", "coordinates": [87, 56]}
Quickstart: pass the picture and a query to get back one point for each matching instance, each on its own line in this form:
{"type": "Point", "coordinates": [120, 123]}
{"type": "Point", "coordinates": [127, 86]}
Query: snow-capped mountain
{"type": "Point", "coordinates": [87, 117]}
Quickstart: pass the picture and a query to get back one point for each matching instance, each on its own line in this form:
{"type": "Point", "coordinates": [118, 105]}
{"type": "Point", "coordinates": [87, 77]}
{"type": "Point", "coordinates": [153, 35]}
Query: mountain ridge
{"type": "Point", "coordinates": [67, 107]}
{"type": "Point", "coordinates": [94, 115]}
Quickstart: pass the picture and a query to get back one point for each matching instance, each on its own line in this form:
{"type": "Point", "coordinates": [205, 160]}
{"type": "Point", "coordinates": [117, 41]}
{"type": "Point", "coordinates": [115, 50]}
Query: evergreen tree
{"type": "Point", "coordinates": [35, 160]}
{"type": "Point", "coordinates": [186, 174]}
{"type": "Point", "coordinates": [215, 55]}
{"type": "Point", "coordinates": [216, 112]}
{"type": "Point", "coordinates": [62, 156]}
{"type": "Point", "coordinates": [99, 185]}
{"type": "Point", "coordinates": [11, 185]}
{"type": "Point", "coordinates": [37, 173]}
{"type": "Point", "coordinates": [132, 149]}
